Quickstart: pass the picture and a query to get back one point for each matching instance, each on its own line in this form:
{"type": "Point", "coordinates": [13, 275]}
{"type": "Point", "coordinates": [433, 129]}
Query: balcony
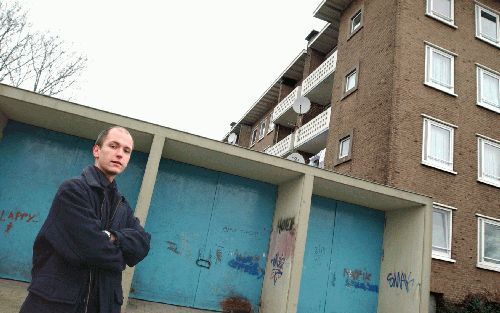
{"type": "Point", "coordinates": [283, 113]}
{"type": "Point", "coordinates": [311, 137]}
{"type": "Point", "coordinates": [319, 84]}
{"type": "Point", "coordinates": [282, 147]}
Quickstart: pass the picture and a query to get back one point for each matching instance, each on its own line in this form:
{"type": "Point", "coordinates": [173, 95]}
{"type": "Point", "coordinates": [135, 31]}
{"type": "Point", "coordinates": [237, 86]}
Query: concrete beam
{"type": "Point", "coordinates": [286, 250]}
{"type": "Point", "coordinates": [143, 202]}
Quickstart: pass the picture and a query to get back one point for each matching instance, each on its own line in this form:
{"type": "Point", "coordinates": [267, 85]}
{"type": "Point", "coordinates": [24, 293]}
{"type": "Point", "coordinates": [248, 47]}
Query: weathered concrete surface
{"type": "Point", "coordinates": [13, 293]}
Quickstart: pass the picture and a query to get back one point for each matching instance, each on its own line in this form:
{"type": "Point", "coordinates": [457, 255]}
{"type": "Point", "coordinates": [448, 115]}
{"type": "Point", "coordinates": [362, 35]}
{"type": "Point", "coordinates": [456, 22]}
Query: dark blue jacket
{"type": "Point", "coordinates": [71, 249]}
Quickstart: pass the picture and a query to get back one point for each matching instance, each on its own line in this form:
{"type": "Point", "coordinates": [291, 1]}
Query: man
{"type": "Point", "coordinates": [88, 237]}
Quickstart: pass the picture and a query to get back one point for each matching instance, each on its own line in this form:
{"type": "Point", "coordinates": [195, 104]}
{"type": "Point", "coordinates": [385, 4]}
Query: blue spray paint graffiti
{"type": "Point", "coordinates": [359, 279]}
{"type": "Point", "coordinates": [247, 264]}
{"type": "Point", "coordinates": [400, 280]}
{"type": "Point", "coordinates": [277, 262]}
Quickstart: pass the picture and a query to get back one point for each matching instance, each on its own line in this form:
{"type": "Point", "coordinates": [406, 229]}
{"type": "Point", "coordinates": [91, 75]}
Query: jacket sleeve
{"type": "Point", "coordinates": [132, 240]}
{"type": "Point", "coordinates": [74, 230]}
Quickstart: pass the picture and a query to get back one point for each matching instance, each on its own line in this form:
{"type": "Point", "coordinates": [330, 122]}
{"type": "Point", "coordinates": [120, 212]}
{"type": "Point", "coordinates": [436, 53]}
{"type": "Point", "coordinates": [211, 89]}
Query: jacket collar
{"type": "Point", "coordinates": [95, 178]}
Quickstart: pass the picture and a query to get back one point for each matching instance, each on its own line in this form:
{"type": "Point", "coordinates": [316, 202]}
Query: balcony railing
{"type": "Point", "coordinates": [319, 74]}
{"type": "Point", "coordinates": [282, 147]}
{"type": "Point", "coordinates": [312, 129]}
{"type": "Point", "coordinates": [285, 104]}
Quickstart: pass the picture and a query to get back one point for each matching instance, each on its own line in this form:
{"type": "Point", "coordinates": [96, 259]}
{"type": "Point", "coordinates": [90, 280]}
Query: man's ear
{"type": "Point", "coordinates": [95, 151]}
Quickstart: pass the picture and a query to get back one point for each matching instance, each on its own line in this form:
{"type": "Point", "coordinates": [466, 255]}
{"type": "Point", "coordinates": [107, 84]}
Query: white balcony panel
{"type": "Point", "coordinates": [282, 147]}
{"type": "Point", "coordinates": [283, 113]}
{"type": "Point", "coordinates": [318, 85]}
{"type": "Point", "coordinates": [312, 136]}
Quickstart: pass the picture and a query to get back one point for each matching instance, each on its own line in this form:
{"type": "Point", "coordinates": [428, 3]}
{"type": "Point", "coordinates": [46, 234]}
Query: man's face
{"type": "Point", "coordinates": [112, 158]}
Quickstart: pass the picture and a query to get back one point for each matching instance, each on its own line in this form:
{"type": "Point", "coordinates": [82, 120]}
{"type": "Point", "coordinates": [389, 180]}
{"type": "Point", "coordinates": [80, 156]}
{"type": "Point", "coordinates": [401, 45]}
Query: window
{"type": "Point", "coordinates": [356, 22]}
{"type": "Point", "coordinates": [344, 152]}
{"type": "Point", "coordinates": [271, 125]}
{"type": "Point", "coordinates": [441, 232]}
{"type": "Point", "coordinates": [439, 69]}
{"type": "Point", "coordinates": [254, 136]}
{"type": "Point", "coordinates": [350, 81]}
{"type": "Point", "coordinates": [262, 130]}
{"type": "Point", "coordinates": [488, 255]}
{"type": "Point", "coordinates": [487, 25]}
{"type": "Point", "coordinates": [344, 147]}
{"type": "Point", "coordinates": [488, 89]}
{"type": "Point", "coordinates": [441, 10]}
{"type": "Point", "coordinates": [437, 149]}
{"type": "Point", "coordinates": [488, 161]}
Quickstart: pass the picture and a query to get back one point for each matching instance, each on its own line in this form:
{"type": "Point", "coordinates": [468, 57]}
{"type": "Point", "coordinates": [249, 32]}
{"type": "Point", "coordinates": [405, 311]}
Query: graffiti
{"type": "Point", "coordinates": [359, 279]}
{"type": "Point", "coordinates": [228, 229]}
{"type": "Point", "coordinates": [16, 216]}
{"type": "Point", "coordinates": [400, 280]}
{"type": "Point", "coordinates": [285, 224]}
{"type": "Point", "coordinates": [277, 263]}
{"type": "Point", "coordinates": [247, 264]}
{"type": "Point", "coordinates": [172, 246]}
{"type": "Point", "coordinates": [218, 256]}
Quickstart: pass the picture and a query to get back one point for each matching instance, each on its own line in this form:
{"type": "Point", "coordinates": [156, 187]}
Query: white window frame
{"type": "Point", "coordinates": [262, 129]}
{"type": "Point", "coordinates": [271, 126]}
{"type": "Point", "coordinates": [437, 252]}
{"type": "Point", "coordinates": [343, 140]}
{"type": "Point", "coordinates": [354, 28]}
{"type": "Point", "coordinates": [254, 136]}
{"type": "Point", "coordinates": [481, 70]}
{"type": "Point", "coordinates": [429, 50]}
{"type": "Point", "coordinates": [481, 141]}
{"type": "Point", "coordinates": [426, 159]}
{"type": "Point", "coordinates": [481, 262]}
{"type": "Point", "coordinates": [436, 15]}
{"type": "Point", "coordinates": [479, 35]}
{"type": "Point", "coordinates": [355, 72]}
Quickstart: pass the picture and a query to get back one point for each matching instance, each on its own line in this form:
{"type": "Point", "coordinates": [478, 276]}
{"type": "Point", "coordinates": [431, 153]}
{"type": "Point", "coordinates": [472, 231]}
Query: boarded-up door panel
{"type": "Point", "coordinates": [210, 232]}
{"type": "Point", "coordinates": [238, 241]}
{"type": "Point", "coordinates": [349, 239]}
{"type": "Point", "coordinates": [33, 163]}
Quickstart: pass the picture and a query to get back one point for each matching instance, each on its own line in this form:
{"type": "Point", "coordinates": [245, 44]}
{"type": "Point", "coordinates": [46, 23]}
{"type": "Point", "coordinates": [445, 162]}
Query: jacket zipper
{"type": "Point", "coordinates": [114, 213]}
{"type": "Point", "coordinates": [88, 292]}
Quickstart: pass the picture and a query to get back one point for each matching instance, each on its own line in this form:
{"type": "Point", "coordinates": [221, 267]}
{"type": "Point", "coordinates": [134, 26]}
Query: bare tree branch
{"type": "Point", "coordinates": [37, 61]}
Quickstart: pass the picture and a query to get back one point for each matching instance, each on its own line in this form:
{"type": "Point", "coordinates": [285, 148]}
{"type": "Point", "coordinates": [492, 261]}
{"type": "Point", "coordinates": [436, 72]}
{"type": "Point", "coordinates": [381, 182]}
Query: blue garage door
{"type": "Point", "coordinates": [342, 259]}
{"type": "Point", "coordinates": [210, 235]}
{"type": "Point", "coordinates": [33, 163]}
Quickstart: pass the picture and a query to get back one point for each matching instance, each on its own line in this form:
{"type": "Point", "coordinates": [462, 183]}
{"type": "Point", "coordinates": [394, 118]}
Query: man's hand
{"type": "Point", "coordinates": [111, 236]}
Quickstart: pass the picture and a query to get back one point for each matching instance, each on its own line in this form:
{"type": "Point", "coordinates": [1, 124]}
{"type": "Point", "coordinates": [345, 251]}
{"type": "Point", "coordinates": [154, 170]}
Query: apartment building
{"type": "Point", "coordinates": [404, 93]}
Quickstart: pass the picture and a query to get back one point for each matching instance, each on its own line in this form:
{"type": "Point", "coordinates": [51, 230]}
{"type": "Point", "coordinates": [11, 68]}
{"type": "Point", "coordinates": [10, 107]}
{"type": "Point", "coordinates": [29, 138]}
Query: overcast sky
{"type": "Point", "coordinates": [190, 65]}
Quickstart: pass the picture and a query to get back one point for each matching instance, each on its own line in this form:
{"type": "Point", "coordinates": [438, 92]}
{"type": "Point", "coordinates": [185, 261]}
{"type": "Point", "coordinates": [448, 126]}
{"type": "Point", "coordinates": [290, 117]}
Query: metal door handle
{"type": "Point", "coordinates": [203, 263]}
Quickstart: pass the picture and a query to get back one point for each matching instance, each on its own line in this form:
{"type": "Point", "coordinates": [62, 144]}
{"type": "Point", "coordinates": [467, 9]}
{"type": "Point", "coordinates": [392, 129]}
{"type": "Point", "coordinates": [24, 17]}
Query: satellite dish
{"type": "Point", "coordinates": [301, 105]}
{"type": "Point", "coordinates": [232, 138]}
{"type": "Point", "coordinates": [296, 157]}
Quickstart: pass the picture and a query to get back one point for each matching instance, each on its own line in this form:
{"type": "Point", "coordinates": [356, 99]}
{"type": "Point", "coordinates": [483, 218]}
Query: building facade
{"type": "Point", "coordinates": [403, 93]}
{"type": "Point", "coordinates": [232, 230]}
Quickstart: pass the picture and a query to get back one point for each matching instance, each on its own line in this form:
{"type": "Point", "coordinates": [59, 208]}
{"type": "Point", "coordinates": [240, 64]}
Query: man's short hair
{"type": "Point", "coordinates": [102, 135]}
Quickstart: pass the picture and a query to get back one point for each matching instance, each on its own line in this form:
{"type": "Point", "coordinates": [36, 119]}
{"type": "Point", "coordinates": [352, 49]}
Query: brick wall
{"type": "Point", "coordinates": [367, 109]}
{"type": "Point", "coordinates": [411, 99]}
{"type": "Point", "coordinates": [385, 115]}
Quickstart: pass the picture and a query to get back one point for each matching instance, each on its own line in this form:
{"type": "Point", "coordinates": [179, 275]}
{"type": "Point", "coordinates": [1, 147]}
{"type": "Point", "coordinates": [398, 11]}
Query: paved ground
{"type": "Point", "coordinates": [13, 293]}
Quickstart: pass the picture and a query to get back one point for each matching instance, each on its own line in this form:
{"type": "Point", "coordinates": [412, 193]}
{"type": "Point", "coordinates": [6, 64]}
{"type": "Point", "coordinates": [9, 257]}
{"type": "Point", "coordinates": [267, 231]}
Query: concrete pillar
{"type": "Point", "coordinates": [280, 292]}
{"type": "Point", "coordinates": [407, 257]}
{"type": "Point", "coordinates": [3, 123]}
{"type": "Point", "coordinates": [143, 202]}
